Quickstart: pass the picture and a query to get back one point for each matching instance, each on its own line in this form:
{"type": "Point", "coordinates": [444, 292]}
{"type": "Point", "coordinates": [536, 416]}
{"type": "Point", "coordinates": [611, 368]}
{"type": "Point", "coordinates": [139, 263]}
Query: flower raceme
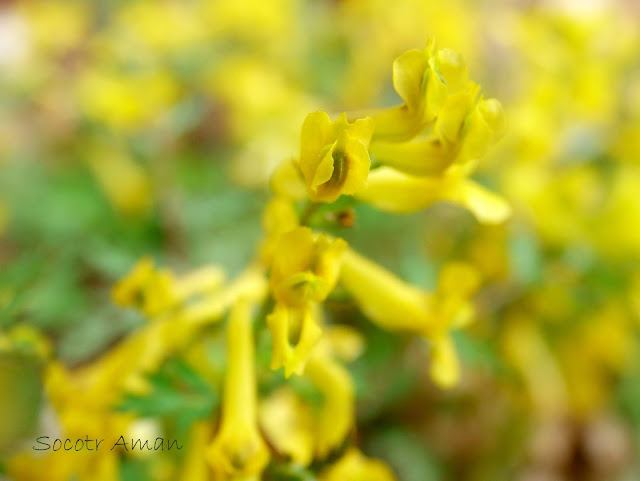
{"type": "Point", "coordinates": [407, 157]}
{"type": "Point", "coordinates": [399, 159]}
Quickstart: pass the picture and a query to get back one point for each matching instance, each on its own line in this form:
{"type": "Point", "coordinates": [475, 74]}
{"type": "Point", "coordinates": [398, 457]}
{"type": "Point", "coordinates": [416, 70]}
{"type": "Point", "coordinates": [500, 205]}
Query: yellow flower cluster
{"type": "Point", "coordinates": [303, 267]}
{"type": "Point", "coordinates": [429, 142]}
{"type": "Point", "coordinates": [398, 159]}
{"type": "Point", "coordinates": [422, 151]}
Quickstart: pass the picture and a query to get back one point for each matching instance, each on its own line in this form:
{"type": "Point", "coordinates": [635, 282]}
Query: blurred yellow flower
{"type": "Point", "coordinates": [238, 450]}
{"type": "Point", "coordinates": [126, 184]}
{"type": "Point", "coordinates": [395, 305]}
{"type": "Point", "coordinates": [394, 191]}
{"type": "Point", "coordinates": [156, 291]}
{"type": "Point", "coordinates": [354, 466]}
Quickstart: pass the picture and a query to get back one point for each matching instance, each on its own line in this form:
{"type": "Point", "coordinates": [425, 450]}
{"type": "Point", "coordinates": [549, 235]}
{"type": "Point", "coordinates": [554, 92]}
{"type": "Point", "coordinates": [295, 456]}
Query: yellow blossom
{"type": "Point", "coordinates": [336, 415]}
{"type": "Point", "coordinates": [394, 191]}
{"type": "Point", "coordinates": [395, 305]}
{"type": "Point", "coordinates": [306, 431]}
{"type": "Point", "coordinates": [303, 431]}
{"type": "Point", "coordinates": [125, 183]}
{"type": "Point", "coordinates": [238, 451]}
{"type": "Point", "coordinates": [333, 155]}
{"type": "Point", "coordinates": [287, 181]}
{"type": "Point", "coordinates": [463, 132]}
{"type": "Point", "coordinates": [288, 424]}
{"type": "Point", "coordinates": [195, 467]}
{"type": "Point", "coordinates": [126, 101]}
{"type": "Point", "coordinates": [155, 291]}
{"type": "Point", "coordinates": [422, 79]}
{"type": "Point", "coordinates": [304, 271]}
{"type": "Point", "coordinates": [354, 466]}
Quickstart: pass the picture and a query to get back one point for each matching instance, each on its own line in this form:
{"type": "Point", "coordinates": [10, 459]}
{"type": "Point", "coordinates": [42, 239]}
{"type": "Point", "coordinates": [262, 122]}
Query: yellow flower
{"type": "Point", "coordinates": [394, 191]}
{"type": "Point", "coordinates": [304, 271]}
{"type": "Point", "coordinates": [395, 305]}
{"type": "Point", "coordinates": [126, 101]}
{"type": "Point", "coordinates": [337, 413]}
{"type": "Point", "coordinates": [304, 430]}
{"type": "Point", "coordinates": [238, 451]}
{"type": "Point", "coordinates": [354, 466]}
{"type": "Point", "coordinates": [462, 133]}
{"type": "Point", "coordinates": [195, 466]}
{"type": "Point", "coordinates": [155, 291]}
{"type": "Point", "coordinates": [84, 407]}
{"type": "Point", "coordinates": [305, 267]}
{"type": "Point", "coordinates": [130, 290]}
{"type": "Point", "coordinates": [423, 79]}
{"type": "Point", "coordinates": [288, 424]}
{"type": "Point", "coordinates": [333, 155]}
{"type": "Point", "coordinates": [384, 298]}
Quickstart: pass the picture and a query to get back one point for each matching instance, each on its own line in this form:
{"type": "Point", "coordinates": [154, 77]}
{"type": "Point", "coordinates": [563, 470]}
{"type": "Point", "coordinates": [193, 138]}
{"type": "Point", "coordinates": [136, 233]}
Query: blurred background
{"type": "Point", "coordinates": [131, 128]}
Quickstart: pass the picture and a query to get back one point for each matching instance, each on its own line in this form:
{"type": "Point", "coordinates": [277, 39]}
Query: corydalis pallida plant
{"type": "Point", "coordinates": [399, 159]}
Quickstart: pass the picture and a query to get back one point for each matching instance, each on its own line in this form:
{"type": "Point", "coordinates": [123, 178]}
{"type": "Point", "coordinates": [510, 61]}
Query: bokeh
{"type": "Point", "coordinates": [150, 129]}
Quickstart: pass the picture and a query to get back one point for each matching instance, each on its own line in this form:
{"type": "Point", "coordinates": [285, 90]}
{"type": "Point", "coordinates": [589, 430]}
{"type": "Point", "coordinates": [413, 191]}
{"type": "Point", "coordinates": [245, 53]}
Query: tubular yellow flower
{"type": "Point", "coordinates": [124, 366]}
{"type": "Point", "coordinates": [394, 191]}
{"type": "Point", "coordinates": [384, 298]}
{"type": "Point", "coordinates": [444, 368]}
{"type": "Point", "coordinates": [129, 290]}
{"type": "Point", "coordinates": [354, 466]}
{"type": "Point", "coordinates": [333, 155]}
{"type": "Point", "coordinates": [395, 305]}
{"type": "Point", "coordinates": [195, 466]}
{"type": "Point", "coordinates": [288, 424]}
{"type": "Point", "coordinates": [303, 431]}
{"type": "Point", "coordinates": [336, 415]}
{"type": "Point", "coordinates": [300, 429]}
{"type": "Point", "coordinates": [84, 407]}
{"type": "Point", "coordinates": [238, 451]}
{"type": "Point", "coordinates": [155, 291]}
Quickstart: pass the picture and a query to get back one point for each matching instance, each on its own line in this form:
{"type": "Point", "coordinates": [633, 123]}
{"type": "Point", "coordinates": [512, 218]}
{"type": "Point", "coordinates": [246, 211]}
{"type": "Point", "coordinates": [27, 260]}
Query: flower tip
{"type": "Point", "coordinates": [493, 114]}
